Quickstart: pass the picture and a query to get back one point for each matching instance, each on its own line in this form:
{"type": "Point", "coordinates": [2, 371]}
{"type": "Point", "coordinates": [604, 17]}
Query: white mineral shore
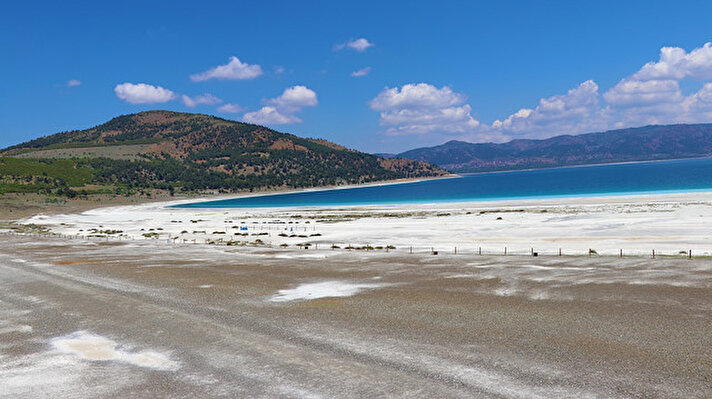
{"type": "Point", "coordinates": [670, 224]}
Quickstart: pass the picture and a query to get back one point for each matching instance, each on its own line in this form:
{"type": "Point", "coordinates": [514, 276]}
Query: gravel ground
{"type": "Point", "coordinates": [138, 319]}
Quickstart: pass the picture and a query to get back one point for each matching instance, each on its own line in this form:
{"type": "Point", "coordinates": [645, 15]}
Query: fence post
{"type": "Point", "coordinates": [653, 254]}
{"type": "Point", "coordinates": [689, 254]}
{"type": "Point", "coordinates": [559, 251]}
{"type": "Point", "coordinates": [479, 251]}
{"type": "Point", "coordinates": [505, 251]}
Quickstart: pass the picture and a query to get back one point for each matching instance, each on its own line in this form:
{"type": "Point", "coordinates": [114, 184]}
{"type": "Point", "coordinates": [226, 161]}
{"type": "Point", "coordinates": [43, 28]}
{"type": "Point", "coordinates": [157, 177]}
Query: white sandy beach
{"type": "Point", "coordinates": [670, 224]}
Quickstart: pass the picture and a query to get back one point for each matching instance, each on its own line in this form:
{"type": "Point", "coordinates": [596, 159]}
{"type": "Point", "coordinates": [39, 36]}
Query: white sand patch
{"type": "Point", "coordinates": [325, 289]}
{"type": "Point", "coordinates": [205, 286]}
{"type": "Point", "coordinates": [462, 275]}
{"type": "Point", "coordinates": [636, 224]}
{"type": "Point", "coordinates": [95, 347]}
{"type": "Point", "coordinates": [25, 329]}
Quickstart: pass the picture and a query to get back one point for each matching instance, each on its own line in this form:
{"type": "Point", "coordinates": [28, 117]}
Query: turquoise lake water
{"type": "Point", "coordinates": [687, 175]}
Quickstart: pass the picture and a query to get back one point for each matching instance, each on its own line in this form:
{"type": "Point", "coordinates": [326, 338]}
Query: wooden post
{"type": "Point", "coordinates": [689, 254]}
{"type": "Point", "coordinates": [455, 250]}
{"type": "Point", "coordinates": [479, 251]}
{"type": "Point", "coordinates": [559, 251]}
{"type": "Point", "coordinates": [621, 253]}
{"type": "Point", "coordinates": [411, 249]}
{"type": "Point", "coordinates": [653, 254]}
{"type": "Point", "coordinates": [505, 250]}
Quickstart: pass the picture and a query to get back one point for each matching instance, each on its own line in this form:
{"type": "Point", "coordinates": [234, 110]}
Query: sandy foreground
{"type": "Point", "coordinates": [121, 315]}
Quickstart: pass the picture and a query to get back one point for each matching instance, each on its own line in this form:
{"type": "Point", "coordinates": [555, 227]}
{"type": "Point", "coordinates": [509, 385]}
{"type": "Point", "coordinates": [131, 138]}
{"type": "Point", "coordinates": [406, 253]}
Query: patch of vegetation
{"type": "Point", "coordinates": [193, 153]}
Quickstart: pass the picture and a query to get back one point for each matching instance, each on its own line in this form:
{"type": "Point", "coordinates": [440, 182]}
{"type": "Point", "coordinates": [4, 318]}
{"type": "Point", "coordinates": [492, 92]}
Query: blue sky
{"type": "Point", "coordinates": [427, 72]}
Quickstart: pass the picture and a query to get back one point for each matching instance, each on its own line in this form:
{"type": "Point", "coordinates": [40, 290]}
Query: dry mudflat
{"type": "Point", "coordinates": [117, 319]}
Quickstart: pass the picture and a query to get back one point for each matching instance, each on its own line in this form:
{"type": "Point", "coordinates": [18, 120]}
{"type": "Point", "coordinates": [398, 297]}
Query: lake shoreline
{"type": "Point", "coordinates": [605, 180]}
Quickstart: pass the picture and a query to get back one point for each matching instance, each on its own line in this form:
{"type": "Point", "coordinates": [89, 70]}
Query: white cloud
{"type": "Point", "coordinates": [269, 116]}
{"type": "Point", "coordinates": [420, 95]}
{"type": "Point", "coordinates": [74, 82]}
{"type": "Point", "coordinates": [207, 99]}
{"type": "Point", "coordinates": [142, 93]}
{"type": "Point", "coordinates": [281, 110]}
{"type": "Point", "coordinates": [361, 72]}
{"type": "Point", "coordinates": [421, 121]}
{"type": "Point", "coordinates": [636, 93]}
{"type": "Point", "coordinates": [675, 63]}
{"type": "Point", "coordinates": [230, 108]}
{"type": "Point", "coordinates": [295, 98]}
{"type": "Point", "coordinates": [698, 107]}
{"type": "Point", "coordinates": [359, 45]}
{"type": "Point", "coordinates": [235, 69]}
{"type": "Point", "coordinates": [423, 108]}
{"type": "Point", "coordinates": [652, 95]}
{"type": "Point", "coordinates": [278, 70]}
{"type": "Point", "coordinates": [577, 111]}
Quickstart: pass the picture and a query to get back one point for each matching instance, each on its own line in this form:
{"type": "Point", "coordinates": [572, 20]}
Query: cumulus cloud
{"type": "Point", "coordinates": [420, 95]}
{"type": "Point", "coordinates": [142, 93]}
{"type": "Point", "coordinates": [205, 99]}
{"type": "Point", "coordinates": [270, 116]}
{"type": "Point", "coordinates": [576, 111]}
{"type": "Point", "coordinates": [361, 72]}
{"type": "Point", "coordinates": [235, 69]}
{"type": "Point", "coordinates": [675, 63]}
{"type": "Point", "coordinates": [281, 110]}
{"type": "Point", "coordinates": [359, 45]}
{"type": "Point", "coordinates": [423, 108]}
{"type": "Point", "coordinates": [636, 93]}
{"type": "Point", "coordinates": [295, 97]}
{"type": "Point", "coordinates": [651, 95]}
{"type": "Point", "coordinates": [230, 108]}
{"type": "Point", "coordinates": [698, 107]}
{"type": "Point", "coordinates": [74, 82]}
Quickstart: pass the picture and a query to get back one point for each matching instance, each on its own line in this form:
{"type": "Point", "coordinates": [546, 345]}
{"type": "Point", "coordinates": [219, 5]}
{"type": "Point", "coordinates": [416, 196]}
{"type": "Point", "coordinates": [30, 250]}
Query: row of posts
{"type": "Point", "coordinates": [333, 246]}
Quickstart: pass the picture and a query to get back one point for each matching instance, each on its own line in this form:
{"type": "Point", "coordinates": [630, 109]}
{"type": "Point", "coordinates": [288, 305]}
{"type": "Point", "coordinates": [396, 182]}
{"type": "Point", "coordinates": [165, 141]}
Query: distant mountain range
{"type": "Point", "coordinates": [623, 145]}
{"type": "Point", "coordinates": [183, 151]}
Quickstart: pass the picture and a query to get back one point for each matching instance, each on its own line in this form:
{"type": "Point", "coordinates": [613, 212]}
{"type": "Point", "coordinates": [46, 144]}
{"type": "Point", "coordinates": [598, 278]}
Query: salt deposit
{"type": "Point", "coordinates": [95, 347]}
{"type": "Point", "coordinates": [323, 289]}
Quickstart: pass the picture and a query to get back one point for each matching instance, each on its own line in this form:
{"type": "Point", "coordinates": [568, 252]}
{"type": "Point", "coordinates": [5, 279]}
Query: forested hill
{"type": "Point", "coordinates": [183, 151]}
{"type": "Point", "coordinates": [635, 144]}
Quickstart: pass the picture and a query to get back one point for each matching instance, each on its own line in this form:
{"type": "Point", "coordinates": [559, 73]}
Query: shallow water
{"type": "Point", "coordinates": [642, 177]}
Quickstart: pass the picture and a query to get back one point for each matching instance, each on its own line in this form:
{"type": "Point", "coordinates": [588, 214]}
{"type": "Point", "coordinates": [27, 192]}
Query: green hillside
{"type": "Point", "coordinates": [188, 152]}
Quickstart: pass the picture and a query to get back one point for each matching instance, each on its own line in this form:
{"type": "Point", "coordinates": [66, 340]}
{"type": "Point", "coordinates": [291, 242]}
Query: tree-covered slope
{"type": "Point", "coordinates": [200, 152]}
